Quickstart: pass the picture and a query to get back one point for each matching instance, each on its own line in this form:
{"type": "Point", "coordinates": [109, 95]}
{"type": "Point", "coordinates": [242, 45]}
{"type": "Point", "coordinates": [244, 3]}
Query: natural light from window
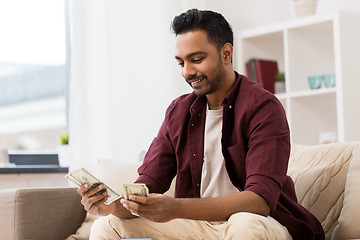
{"type": "Point", "coordinates": [33, 74]}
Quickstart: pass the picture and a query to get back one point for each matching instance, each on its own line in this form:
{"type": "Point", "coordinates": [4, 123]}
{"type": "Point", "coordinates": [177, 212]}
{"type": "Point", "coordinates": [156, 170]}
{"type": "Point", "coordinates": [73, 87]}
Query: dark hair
{"type": "Point", "coordinates": [214, 24]}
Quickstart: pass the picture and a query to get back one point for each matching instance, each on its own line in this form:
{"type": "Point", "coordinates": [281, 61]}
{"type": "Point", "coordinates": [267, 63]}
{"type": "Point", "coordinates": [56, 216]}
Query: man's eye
{"type": "Point", "coordinates": [197, 60]}
{"type": "Point", "coordinates": [181, 64]}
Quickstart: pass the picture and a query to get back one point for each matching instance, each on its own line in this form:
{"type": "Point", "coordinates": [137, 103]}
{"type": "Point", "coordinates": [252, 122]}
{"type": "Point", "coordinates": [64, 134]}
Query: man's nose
{"type": "Point", "coordinates": [188, 71]}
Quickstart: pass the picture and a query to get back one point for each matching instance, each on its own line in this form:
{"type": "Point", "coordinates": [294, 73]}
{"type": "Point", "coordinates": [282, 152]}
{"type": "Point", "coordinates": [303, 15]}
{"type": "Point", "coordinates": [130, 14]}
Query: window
{"type": "Point", "coordinates": [33, 73]}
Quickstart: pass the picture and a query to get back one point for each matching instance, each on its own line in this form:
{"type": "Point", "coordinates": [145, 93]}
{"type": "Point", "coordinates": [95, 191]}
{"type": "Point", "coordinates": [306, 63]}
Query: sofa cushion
{"type": "Point", "coordinates": [37, 213]}
{"type": "Point", "coordinates": [319, 173]}
{"type": "Point", "coordinates": [348, 227]}
{"type": "Point", "coordinates": [7, 213]}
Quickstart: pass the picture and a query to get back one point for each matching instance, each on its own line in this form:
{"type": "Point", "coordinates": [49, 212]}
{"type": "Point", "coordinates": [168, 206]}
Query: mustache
{"type": "Point", "coordinates": [192, 78]}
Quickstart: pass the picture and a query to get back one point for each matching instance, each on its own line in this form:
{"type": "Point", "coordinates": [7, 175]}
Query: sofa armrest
{"type": "Point", "coordinates": [40, 213]}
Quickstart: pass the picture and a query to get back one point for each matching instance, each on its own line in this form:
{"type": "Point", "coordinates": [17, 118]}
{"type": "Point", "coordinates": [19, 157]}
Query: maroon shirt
{"type": "Point", "coordinates": [255, 144]}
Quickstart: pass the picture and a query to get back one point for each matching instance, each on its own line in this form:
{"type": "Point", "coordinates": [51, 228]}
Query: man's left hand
{"type": "Point", "coordinates": [155, 207]}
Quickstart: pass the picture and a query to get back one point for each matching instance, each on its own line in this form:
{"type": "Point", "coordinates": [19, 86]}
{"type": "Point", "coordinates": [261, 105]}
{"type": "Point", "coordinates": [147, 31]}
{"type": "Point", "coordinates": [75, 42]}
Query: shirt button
{"type": "Point", "coordinates": [192, 124]}
{"type": "Point", "coordinates": [230, 106]}
{"type": "Point", "coordinates": [194, 155]}
{"type": "Point", "coordinates": [193, 109]}
{"type": "Point", "coordinates": [197, 184]}
{"type": "Point", "coordinates": [199, 114]}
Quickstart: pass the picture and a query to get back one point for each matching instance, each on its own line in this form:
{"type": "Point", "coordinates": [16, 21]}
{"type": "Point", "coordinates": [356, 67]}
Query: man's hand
{"type": "Point", "coordinates": [161, 208]}
{"type": "Point", "coordinates": [94, 204]}
{"type": "Point", "coordinates": [155, 207]}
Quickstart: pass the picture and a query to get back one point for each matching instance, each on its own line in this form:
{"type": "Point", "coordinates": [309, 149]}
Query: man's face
{"type": "Point", "coordinates": [200, 62]}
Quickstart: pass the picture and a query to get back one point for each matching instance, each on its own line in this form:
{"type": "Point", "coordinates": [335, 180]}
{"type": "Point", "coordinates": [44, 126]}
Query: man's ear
{"type": "Point", "coordinates": [226, 53]}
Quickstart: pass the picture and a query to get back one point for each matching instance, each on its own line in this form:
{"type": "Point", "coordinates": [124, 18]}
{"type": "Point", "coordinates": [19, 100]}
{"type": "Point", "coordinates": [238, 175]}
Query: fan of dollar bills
{"type": "Point", "coordinates": [82, 176]}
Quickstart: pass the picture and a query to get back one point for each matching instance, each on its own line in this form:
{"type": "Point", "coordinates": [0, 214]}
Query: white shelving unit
{"type": "Point", "coordinates": [309, 46]}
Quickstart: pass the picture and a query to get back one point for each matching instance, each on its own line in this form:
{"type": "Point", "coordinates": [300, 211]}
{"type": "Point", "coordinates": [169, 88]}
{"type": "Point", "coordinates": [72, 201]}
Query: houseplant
{"type": "Point", "coordinates": [64, 150]}
{"type": "Point", "coordinates": [280, 82]}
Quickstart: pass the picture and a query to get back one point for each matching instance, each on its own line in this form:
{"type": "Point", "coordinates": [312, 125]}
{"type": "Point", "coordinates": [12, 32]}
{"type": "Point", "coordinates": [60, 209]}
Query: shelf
{"type": "Point", "coordinates": [272, 33]}
{"type": "Point", "coordinates": [312, 46]}
{"type": "Point", "coordinates": [307, 22]}
{"type": "Point", "coordinates": [313, 92]}
{"type": "Point", "coordinates": [312, 115]}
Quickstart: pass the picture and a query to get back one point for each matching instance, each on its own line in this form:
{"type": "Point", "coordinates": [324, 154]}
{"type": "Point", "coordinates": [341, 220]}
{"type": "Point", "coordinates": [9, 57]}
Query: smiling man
{"type": "Point", "coordinates": [227, 143]}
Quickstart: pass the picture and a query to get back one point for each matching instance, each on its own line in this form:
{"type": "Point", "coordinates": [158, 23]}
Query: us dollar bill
{"type": "Point", "coordinates": [82, 176]}
{"type": "Point", "coordinates": [135, 189]}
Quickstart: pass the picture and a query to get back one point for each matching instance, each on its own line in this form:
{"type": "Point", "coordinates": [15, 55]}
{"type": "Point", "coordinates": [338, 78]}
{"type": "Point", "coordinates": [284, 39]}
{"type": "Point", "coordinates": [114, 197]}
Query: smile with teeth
{"type": "Point", "coordinates": [195, 83]}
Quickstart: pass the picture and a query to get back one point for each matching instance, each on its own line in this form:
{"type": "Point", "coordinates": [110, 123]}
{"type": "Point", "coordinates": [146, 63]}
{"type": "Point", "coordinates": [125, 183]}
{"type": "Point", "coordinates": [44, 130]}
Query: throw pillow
{"type": "Point", "coordinates": [319, 173]}
{"type": "Point", "coordinates": [115, 174]}
{"type": "Point", "coordinates": [348, 227]}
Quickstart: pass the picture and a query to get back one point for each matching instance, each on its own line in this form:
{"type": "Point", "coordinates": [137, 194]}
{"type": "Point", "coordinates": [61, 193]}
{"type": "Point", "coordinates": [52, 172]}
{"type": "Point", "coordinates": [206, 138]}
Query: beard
{"type": "Point", "coordinates": [209, 85]}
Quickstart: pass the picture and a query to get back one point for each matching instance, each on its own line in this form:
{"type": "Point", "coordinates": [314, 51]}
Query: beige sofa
{"type": "Point", "coordinates": [327, 180]}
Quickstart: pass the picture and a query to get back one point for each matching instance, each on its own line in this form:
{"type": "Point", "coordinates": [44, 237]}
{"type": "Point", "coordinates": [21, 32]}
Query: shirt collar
{"type": "Point", "coordinates": [232, 95]}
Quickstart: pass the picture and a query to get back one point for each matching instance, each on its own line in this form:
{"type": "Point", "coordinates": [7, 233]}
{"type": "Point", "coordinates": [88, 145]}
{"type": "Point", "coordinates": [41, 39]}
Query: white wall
{"type": "Point", "coordinates": [143, 74]}
{"type": "Point", "coordinates": [123, 72]}
{"type": "Point", "coordinates": [88, 99]}
{"type": "Point", "coordinates": [325, 6]}
{"type": "Point", "coordinates": [123, 76]}
{"type": "Point", "coordinates": [244, 13]}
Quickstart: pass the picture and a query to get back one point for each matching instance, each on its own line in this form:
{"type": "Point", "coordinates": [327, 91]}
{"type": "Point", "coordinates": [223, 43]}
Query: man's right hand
{"type": "Point", "coordinates": [94, 204]}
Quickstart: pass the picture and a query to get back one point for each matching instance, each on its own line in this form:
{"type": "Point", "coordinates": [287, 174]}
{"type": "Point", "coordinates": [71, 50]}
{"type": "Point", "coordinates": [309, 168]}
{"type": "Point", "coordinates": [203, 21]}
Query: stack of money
{"type": "Point", "coordinates": [135, 189]}
{"type": "Point", "coordinates": [82, 176]}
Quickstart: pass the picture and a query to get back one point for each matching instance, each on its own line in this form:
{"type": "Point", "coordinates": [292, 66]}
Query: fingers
{"type": "Point", "coordinates": [85, 189]}
{"type": "Point", "coordinates": [82, 190]}
{"type": "Point", "coordinates": [139, 199]}
{"type": "Point", "coordinates": [139, 205]}
{"type": "Point", "coordinates": [133, 207]}
{"type": "Point", "coordinates": [91, 204]}
{"type": "Point", "coordinates": [94, 191]}
{"type": "Point", "coordinates": [91, 198]}
{"type": "Point", "coordinates": [152, 198]}
{"type": "Point", "coordinates": [155, 207]}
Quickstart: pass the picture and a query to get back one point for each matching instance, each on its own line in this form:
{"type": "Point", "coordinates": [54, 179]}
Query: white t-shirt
{"type": "Point", "coordinates": [215, 181]}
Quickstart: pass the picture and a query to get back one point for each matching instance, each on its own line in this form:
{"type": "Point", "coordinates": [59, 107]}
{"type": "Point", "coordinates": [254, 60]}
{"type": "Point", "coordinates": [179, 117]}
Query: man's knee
{"type": "Point", "coordinates": [253, 226]}
{"type": "Point", "coordinates": [112, 227]}
{"type": "Point", "coordinates": [244, 225]}
{"type": "Point", "coordinates": [102, 229]}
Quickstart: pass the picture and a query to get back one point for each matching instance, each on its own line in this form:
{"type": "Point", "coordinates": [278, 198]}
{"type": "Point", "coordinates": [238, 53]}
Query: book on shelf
{"type": "Point", "coordinates": [250, 69]}
{"type": "Point", "coordinates": [263, 71]}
